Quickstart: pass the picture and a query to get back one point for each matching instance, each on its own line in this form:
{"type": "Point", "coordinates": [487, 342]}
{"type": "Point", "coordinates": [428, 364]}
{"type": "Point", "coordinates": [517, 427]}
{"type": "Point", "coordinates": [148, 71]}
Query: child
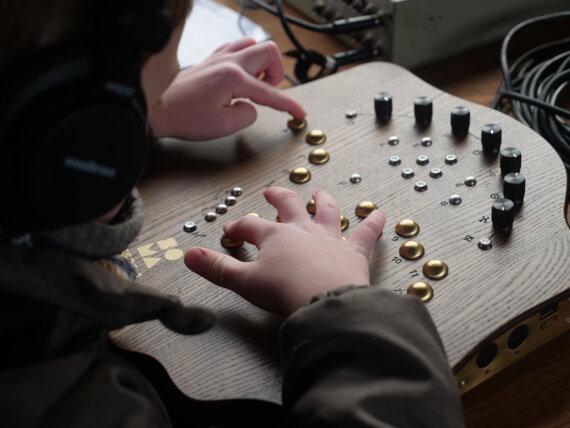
{"type": "Point", "coordinates": [354, 355]}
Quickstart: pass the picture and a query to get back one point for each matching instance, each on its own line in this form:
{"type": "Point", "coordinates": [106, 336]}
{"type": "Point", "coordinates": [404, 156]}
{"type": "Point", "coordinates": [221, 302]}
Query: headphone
{"type": "Point", "coordinates": [73, 128]}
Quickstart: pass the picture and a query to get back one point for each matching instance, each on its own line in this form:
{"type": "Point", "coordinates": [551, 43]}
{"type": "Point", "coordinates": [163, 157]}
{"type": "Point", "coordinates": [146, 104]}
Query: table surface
{"type": "Point", "coordinates": [535, 391]}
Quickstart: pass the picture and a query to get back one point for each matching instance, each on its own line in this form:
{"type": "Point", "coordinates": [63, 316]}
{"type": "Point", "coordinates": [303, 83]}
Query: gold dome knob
{"type": "Point", "coordinates": [253, 214]}
{"type": "Point", "coordinates": [412, 250]}
{"type": "Point", "coordinates": [228, 243]}
{"type": "Point", "coordinates": [297, 124]}
{"type": "Point", "coordinates": [316, 137]}
{"type": "Point", "coordinates": [312, 207]}
{"type": "Point", "coordinates": [319, 156]}
{"type": "Point", "coordinates": [421, 289]}
{"type": "Point", "coordinates": [300, 175]}
{"type": "Point", "coordinates": [364, 209]}
{"type": "Point", "coordinates": [435, 269]}
{"type": "Point", "coordinates": [407, 228]}
{"type": "Point", "coordinates": [344, 223]}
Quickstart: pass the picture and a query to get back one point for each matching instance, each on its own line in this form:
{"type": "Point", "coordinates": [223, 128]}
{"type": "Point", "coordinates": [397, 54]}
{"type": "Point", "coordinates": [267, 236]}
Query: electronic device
{"type": "Point", "coordinates": [73, 122]}
{"type": "Point", "coordinates": [417, 32]}
{"type": "Point", "coordinates": [493, 272]}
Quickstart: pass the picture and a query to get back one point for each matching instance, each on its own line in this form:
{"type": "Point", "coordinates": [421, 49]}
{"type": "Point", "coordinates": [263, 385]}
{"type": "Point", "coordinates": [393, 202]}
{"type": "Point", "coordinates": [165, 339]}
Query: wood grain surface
{"type": "Point", "coordinates": [484, 290]}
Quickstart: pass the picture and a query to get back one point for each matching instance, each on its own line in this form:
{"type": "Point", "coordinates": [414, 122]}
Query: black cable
{"type": "Point", "coordinates": [535, 82]}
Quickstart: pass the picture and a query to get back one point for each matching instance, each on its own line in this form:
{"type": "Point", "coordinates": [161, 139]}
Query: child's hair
{"type": "Point", "coordinates": [27, 24]}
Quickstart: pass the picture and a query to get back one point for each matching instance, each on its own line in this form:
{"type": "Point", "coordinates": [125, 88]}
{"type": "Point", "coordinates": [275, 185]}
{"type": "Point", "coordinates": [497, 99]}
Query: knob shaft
{"type": "Point", "coordinates": [491, 136]}
{"type": "Point", "coordinates": [383, 107]}
{"type": "Point", "coordinates": [511, 160]}
{"type": "Point", "coordinates": [423, 110]}
{"type": "Point", "coordinates": [503, 214]}
{"type": "Point", "coordinates": [460, 120]}
{"type": "Point", "coordinates": [514, 185]}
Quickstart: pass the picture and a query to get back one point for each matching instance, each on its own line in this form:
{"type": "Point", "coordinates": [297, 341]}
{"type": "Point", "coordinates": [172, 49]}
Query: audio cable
{"type": "Point", "coordinates": [535, 84]}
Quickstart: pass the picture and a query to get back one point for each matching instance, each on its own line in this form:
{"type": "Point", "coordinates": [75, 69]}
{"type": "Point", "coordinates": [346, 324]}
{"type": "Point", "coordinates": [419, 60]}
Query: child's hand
{"type": "Point", "coordinates": [298, 258]}
{"type": "Point", "coordinates": [204, 102]}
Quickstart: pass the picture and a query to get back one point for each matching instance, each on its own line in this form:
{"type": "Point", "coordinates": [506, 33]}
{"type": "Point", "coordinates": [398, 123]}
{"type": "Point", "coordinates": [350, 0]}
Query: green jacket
{"type": "Point", "coordinates": [358, 357]}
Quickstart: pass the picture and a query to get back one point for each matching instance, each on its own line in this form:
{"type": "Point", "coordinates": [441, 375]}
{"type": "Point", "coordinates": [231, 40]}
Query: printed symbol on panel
{"type": "Point", "coordinates": [152, 253]}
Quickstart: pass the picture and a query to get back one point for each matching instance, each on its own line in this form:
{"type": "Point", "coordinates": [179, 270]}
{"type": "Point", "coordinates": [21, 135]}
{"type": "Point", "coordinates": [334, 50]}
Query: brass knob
{"type": "Point", "coordinates": [319, 156]}
{"type": "Point", "coordinates": [412, 250]}
{"type": "Point", "coordinates": [435, 269]}
{"type": "Point", "coordinates": [228, 243]}
{"type": "Point", "coordinates": [407, 228]}
{"type": "Point", "coordinates": [421, 289]}
{"type": "Point", "coordinates": [364, 209]}
{"type": "Point", "coordinates": [344, 223]}
{"type": "Point", "coordinates": [312, 207]}
{"type": "Point", "coordinates": [316, 137]}
{"type": "Point", "coordinates": [300, 175]}
{"type": "Point", "coordinates": [297, 124]}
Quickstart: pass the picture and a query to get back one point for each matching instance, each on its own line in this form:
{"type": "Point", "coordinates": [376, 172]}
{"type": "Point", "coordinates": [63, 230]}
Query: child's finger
{"type": "Point", "coordinates": [263, 58]}
{"type": "Point", "coordinates": [236, 45]}
{"type": "Point", "coordinates": [218, 268]}
{"type": "Point", "coordinates": [249, 228]}
{"type": "Point", "coordinates": [369, 231]}
{"type": "Point", "coordinates": [328, 213]}
{"type": "Point", "coordinates": [290, 206]}
{"type": "Point", "coordinates": [262, 93]}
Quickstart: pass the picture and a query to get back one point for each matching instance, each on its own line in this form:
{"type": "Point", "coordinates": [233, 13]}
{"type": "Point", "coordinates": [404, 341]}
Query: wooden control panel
{"type": "Point", "coordinates": [485, 295]}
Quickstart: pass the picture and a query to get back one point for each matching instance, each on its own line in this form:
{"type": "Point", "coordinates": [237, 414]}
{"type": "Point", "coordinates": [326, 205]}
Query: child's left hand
{"type": "Point", "coordinates": [204, 101]}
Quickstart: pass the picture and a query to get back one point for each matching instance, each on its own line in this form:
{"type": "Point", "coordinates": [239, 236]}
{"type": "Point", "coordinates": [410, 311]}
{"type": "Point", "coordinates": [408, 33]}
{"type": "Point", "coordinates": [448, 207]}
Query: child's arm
{"type": "Point", "coordinates": [207, 100]}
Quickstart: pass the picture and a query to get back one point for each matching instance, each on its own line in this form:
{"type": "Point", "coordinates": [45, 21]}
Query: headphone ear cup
{"type": "Point", "coordinates": [72, 149]}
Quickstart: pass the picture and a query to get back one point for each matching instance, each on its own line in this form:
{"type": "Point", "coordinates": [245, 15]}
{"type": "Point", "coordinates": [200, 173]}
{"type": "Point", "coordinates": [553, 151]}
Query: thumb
{"type": "Point", "coordinates": [215, 267]}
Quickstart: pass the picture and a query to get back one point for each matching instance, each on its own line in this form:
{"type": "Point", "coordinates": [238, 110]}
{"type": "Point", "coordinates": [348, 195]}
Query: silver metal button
{"type": "Point", "coordinates": [355, 178]}
{"type": "Point", "coordinates": [407, 173]}
{"type": "Point", "coordinates": [394, 160]}
{"type": "Point", "coordinates": [422, 160]}
{"type": "Point", "coordinates": [455, 199]}
{"type": "Point", "coordinates": [426, 142]}
{"type": "Point", "coordinates": [211, 216]}
{"type": "Point", "coordinates": [189, 227]}
{"type": "Point", "coordinates": [485, 244]}
{"type": "Point", "coordinates": [470, 181]}
{"type": "Point", "coordinates": [450, 159]}
{"type": "Point", "coordinates": [435, 172]}
{"type": "Point", "coordinates": [420, 186]}
{"type": "Point", "coordinates": [236, 191]}
{"type": "Point", "coordinates": [393, 140]}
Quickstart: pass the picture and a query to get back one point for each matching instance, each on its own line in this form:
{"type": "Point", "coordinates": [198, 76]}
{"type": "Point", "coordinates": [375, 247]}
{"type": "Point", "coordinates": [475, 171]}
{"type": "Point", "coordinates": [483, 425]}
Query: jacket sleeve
{"type": "Point", "coordinates": [366, 357]}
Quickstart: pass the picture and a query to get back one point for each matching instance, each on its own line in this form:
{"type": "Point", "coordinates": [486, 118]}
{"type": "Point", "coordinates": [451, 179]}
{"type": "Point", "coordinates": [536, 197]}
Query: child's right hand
{"type": "Point", "coordinates": [208, 100]}
{"type": "Point", "coordinates": [298, 257]}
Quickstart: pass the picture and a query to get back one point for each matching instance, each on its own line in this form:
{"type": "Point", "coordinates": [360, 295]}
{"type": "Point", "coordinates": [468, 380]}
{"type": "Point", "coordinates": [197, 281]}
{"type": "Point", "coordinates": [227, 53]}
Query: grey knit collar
{"type": "Point", "coordinates": [91, 240]}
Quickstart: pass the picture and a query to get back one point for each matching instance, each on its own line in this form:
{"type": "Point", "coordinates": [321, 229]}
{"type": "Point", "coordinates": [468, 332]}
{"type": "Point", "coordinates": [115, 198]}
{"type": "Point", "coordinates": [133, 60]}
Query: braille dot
{"type": "Point", "coordinates": [355, 178]}
{"type": "Point", "coordinates": [422, 160]}
{"type": "Point", "coordinates": [300, 175]}
{"type": "Point", "coordinates": [189, 227]}
{"type": "Point", "coordinates": [485, 244]}
{"type": "Point", "coordinates": [211, 216]}
{"type": "Point", "coordinates": [407, 173]}
{"type": "Point", "coordinates": [426, 142]}
{"type": "Point", "coordinates": [455, 199]}
{"type": "Point", "coordinates": [297, 124]}
{"type": "Point", "coordinates": [316, 137]}
{"type": "Point", "coordinates": [350, 114]}
{"type": "Point", "coordinates": [435, 172]}
{"type": "Point", "coordinates": [319, 156]}
{"type": "Point", "coordinates": [231, 200]}
{"type": "Point", "coordinates": [394, 160]}
{"type": "Point", "coordinates": [420, 186]}
{"type": "Point", "coordinates": [364, 209]}
{"type": "Point", "coordinates": [450, 159]}
{"type": "Point", "coordinates": [393, 140]}
{"type": "Point", "coordinates": [221, 209]}
{"type": "Point", "coordinates": [236, 191]}
{"type": "Point", "coordinates": [470, 181]}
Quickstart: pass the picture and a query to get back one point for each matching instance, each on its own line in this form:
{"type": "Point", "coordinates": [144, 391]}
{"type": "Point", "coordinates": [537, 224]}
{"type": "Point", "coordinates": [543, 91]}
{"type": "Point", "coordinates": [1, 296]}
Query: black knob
{"type": "Point", "coordinates": [423, 110]}
{"type": "Point", "coordinates": [510, 161]}
{"type": "Point", "coordinates": [383, 107]}
{"type": "Point", "coordinates": [491, 138]}
{"type": "Point", "coordinates": [503, 214]}
{"type": "Point", "coordinates": [514, 185]}
{"type": "Point", "coordinates": [460, 120]}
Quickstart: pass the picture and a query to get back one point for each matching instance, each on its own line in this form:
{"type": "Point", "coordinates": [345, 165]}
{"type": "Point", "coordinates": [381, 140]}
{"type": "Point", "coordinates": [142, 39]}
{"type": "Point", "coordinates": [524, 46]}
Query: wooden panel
{"type": "Point", "coordinates": [484, 290]}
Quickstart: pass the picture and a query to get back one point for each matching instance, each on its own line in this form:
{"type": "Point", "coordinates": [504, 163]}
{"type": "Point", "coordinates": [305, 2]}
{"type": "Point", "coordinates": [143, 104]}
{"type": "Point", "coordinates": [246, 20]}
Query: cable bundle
{"type": "Point", "coordinates": [535, 82]}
